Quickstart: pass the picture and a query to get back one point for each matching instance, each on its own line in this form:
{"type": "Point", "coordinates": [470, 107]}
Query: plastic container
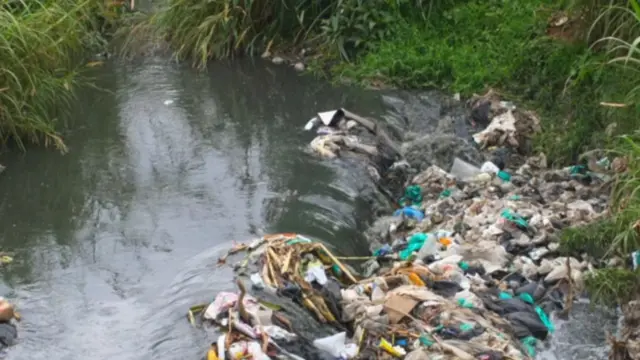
{"type": "Point", "coordinates": [489, 167]}
{"type": "Point", "coordinates": [462, 170]}
{"type": "Point", "coordinates": [430, 247]}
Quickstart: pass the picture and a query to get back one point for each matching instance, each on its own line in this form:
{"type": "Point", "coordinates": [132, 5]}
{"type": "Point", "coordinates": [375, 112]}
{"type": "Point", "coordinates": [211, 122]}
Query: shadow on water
{"type": "Point", "coordinates": [115, 240]}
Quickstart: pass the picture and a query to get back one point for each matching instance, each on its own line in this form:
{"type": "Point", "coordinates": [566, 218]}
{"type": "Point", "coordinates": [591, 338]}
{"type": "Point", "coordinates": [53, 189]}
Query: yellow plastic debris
{"type": "Point", "coordinates": [212, 354]}
{"type": "Point", "coordinates": [386, 346]}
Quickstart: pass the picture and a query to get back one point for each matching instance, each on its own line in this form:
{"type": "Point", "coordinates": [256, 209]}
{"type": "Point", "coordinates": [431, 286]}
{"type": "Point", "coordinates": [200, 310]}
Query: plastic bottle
{"type": "Point", "coordinates": [430, 247]}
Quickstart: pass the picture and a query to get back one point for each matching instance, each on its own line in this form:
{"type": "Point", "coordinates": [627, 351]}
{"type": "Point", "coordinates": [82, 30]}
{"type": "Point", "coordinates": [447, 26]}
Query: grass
{"type": "Point", "coordinates": [612, 286]}
{"type": "Point", "coordinates": [202, 30]}
{"type": "Point", "coordinates": [42, 44]}
{"type": "Point", "coordinates": [562, 77]}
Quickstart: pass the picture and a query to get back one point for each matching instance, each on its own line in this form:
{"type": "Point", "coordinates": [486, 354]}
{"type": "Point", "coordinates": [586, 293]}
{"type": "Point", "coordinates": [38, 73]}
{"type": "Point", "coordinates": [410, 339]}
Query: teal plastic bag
{"type": "Point", "coordinates": [299, 239]}
{"type": "Point", "coordinates": [514, 218]}
{"type": "Point", "coordinates": [505, 176]}
{"type": "Point", "coordinates": [545, 319]}
{"type": "Point", "coordinates": [529, 344]}
{"type": "Point", "coordinates": [415, 244]}
{"type": "Point", "coordinates": [465, 304]}
{"type": "Point", "coordinates": [526, 298]}
{"type": "Point", "coordinates": [412, 195]}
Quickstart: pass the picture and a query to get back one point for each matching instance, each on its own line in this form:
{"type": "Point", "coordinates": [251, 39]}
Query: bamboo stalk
{"type": "Point", "coordinates": [355, 258]}
{"type": "Point", "coordinates": [265, 275]}
{"type": "Point", "coordinates": [337, 262]}
{"type": "Point", "coordinates": [313, 308]}
{"type": "Point", "coordinates": [287, 261]}
{"type": "Point", "coordinates": [272, 271]}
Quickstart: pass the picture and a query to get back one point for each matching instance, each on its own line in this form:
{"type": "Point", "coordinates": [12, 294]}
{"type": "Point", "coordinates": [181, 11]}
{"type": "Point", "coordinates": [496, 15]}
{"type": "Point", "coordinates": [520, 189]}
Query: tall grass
{"type": "Point", "coordinates": [41, 43]}
{"type": "Point", "coordinates": [203, 30]}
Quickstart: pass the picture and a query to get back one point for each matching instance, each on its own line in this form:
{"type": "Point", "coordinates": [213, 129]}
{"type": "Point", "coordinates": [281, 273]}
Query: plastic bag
{"type": "Point", "coordinates": [489, 167]}
{"type": "Point", "coordinates": [315, 272]}
{"type": "Point", "coordinates": [415, 243]}
{"type": "Point", "coordinates": [240, 349]}
{"type": "Point", "coordinates": [410, 212]}
{"type": "Point", "coordinates": [335, 346]}
{"type": "Point", "coordinates": [527, 324]}
{"type": "Point", "coordinates": [463, 170]}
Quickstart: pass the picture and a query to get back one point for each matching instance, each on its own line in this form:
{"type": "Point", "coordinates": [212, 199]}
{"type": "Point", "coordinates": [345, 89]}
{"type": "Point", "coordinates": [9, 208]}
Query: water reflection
{"type": "Point", "coordinates": [114, 240]}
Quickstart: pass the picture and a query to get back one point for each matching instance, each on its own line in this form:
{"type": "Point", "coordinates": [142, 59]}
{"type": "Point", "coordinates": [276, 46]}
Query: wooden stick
{"type": "Point", "coordinates": [272, 271]}
{"type": "Point", "coordinates": [337, 262]}
{"type": "Point", "coordinates": [274, 257]}
{"type": "Point", "coordinates": [355, 257]}
{"type": "Point", "coordinates": [287, 260]}
{"type": "Point", "coordinates": [568, 302]}
{"type": "Point", "coordinates": [265, 275]}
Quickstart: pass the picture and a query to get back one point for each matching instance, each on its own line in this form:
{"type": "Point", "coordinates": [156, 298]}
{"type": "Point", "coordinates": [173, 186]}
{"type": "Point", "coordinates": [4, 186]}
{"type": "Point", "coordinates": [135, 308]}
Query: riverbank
{"type": "Point", "coordinates": [46, 46]}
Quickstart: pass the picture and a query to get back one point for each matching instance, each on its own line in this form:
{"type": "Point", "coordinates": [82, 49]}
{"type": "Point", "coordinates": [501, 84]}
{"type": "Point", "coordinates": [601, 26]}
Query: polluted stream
{"type": "Point", "coordinates": [115, 240]}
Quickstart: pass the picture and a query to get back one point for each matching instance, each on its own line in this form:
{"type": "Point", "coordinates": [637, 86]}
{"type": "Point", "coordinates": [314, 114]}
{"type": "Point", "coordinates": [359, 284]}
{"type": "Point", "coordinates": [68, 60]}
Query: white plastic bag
{"type": "Point", "coordinates": [336, 347]}
{"type": "Point", "coordinates": [489, 167]}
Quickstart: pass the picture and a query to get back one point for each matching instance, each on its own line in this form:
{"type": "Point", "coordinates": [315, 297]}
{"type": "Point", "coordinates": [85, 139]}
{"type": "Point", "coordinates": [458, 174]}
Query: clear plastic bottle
{"type": "Point", "coordinates": [430, 247]}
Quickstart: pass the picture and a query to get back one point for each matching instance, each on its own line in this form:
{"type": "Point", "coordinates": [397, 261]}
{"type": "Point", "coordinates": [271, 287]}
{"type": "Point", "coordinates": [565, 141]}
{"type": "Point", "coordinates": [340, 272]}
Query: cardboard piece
{"type": "Point", "coordinates": [397, 306]}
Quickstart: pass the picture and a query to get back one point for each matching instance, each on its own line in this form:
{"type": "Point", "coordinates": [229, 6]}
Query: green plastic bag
{"type": "Point", "coordinates": [529, 343]}
{"type": "Point", "coordinates": [545, 319]}
{"type": "Point", "coordinates": [415, 244]}
{"type": "Point", "coordinates": [412, 195]}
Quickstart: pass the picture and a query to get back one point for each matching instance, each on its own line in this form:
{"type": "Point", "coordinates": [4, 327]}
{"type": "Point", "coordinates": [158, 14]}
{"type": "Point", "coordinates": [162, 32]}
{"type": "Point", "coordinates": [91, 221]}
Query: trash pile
{"type": "Point", "coordinates": [335, 133]}
{"type": "Point", "coordinates": [505, 124]}
{"type": "Point", "coordinates": [467, 267]}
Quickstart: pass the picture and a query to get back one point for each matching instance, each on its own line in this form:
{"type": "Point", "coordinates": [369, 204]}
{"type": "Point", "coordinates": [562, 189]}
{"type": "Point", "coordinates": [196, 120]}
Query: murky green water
{"type": "Point", "coordinates": [115, 240]}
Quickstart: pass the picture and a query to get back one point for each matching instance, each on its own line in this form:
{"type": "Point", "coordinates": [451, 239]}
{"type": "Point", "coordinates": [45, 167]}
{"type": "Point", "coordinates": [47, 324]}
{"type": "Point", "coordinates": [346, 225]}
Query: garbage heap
{"type": "Point", "coordinates": [466, 269]}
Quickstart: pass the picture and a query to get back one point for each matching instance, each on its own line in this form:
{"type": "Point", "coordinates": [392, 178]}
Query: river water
{"type": "Point", "coordinates": [167, 167]}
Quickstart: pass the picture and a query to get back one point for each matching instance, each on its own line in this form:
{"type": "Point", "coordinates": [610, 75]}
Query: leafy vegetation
{"type": "Point", "coordinates": [613, 286]}
{"type": "Point", "coordinates": [202, 30]}
{"type": "Point", "coordinates": [42, 43]}
{"type": "Point", "coordinates": [513, 48]}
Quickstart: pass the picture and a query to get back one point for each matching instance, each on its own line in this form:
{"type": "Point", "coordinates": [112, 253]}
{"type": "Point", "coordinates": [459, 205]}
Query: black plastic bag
{"type": "Point", "coordinates": [527, 323]}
